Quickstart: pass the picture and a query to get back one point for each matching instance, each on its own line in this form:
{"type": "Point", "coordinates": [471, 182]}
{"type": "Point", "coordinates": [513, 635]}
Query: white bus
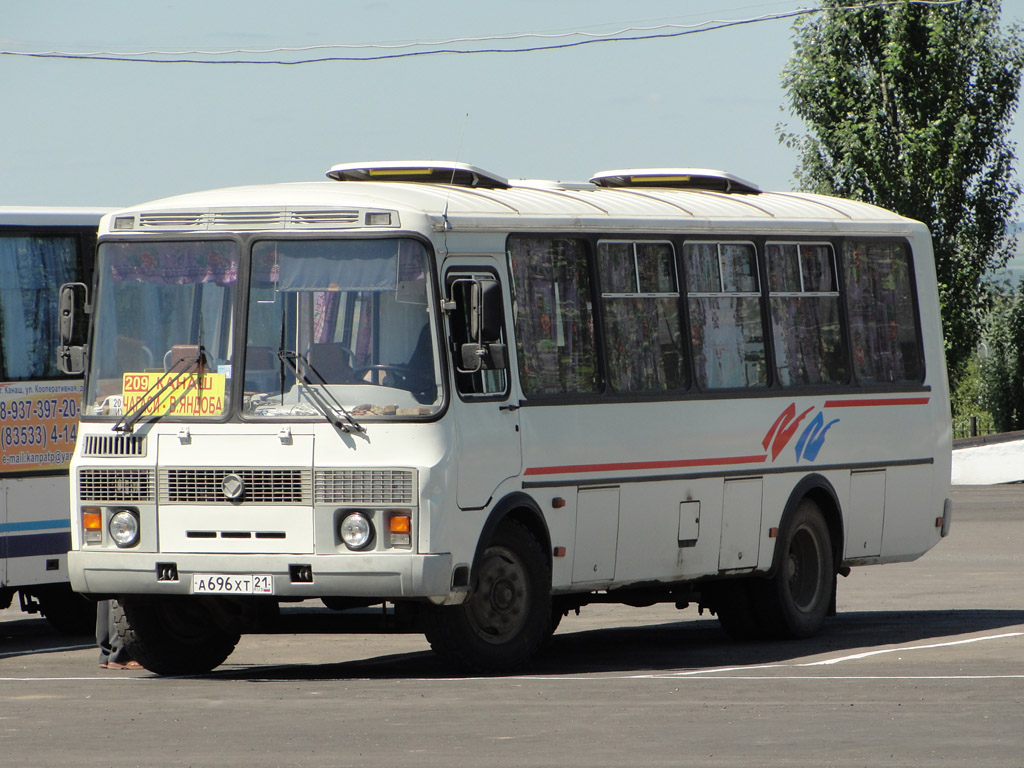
{"type": "Point", "coordinates": [496, 401]}
{"type": "Point", "coordinates": [40, 248]}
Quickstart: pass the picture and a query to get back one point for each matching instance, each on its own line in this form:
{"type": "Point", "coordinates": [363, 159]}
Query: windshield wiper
{"type": "Point", "coordinates": [318, 392]}
{"type": "Point", "coordinates": [185, 359]}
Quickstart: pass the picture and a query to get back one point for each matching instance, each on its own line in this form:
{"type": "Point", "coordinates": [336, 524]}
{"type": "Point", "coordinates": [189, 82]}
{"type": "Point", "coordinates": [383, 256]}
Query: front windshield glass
{"type": "Point", "coordinates": [350, 318]}
{"type": "Point", "coordinates": [163, 309]}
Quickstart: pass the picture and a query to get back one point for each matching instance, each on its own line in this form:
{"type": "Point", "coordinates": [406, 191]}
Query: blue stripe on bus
{"type": "Point", "coordinates": [36, 544]}
{"type": "Point", "coordinates": [36, 525]}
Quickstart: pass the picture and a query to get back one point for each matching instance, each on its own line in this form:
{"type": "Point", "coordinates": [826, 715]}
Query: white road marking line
{"type": "Point", "coordinates": [907, 648]}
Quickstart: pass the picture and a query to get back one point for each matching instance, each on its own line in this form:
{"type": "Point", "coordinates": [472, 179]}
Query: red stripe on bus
{"type": "Point", "coordinates": [626, 466]}
{"type": "Point", "coordinates": [881, 401]}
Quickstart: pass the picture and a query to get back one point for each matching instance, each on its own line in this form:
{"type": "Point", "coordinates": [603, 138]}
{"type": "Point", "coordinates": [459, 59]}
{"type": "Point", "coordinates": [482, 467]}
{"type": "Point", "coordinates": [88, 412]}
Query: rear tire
{"type": "Point", "coordinates": [173, 636]}
{"type": "Point", "coordinates": [507, 617]}
{"type": "Point", "coordinates": [67, 611]}
{"type": "Point", "coordinates": [794, 602]}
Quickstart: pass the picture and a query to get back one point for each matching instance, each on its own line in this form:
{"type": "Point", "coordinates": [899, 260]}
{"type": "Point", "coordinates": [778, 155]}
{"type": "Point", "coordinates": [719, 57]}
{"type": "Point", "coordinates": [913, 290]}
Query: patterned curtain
{"type": "Point", "coordinates": [32, 270]}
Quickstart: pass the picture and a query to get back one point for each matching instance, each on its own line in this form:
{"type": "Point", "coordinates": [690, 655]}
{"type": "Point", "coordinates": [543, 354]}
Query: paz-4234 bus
{"type": "Point", "coordinates": [491, 402]}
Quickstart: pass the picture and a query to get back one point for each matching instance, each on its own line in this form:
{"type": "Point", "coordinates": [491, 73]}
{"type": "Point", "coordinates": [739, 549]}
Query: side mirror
{"type": "Point", "coordinates": [479, 302]}
{"type": "Point", "coordinates": [72, 308]}
{"type": "Point", "coordinates": [485, 311]}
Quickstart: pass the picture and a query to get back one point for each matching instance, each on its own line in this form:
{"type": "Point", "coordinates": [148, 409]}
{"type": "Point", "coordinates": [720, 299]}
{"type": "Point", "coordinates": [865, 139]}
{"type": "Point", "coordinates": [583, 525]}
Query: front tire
{"type": "Point", "coordinates": [507, 617]}
{"type": "Point", "coordinates": [172, 635]}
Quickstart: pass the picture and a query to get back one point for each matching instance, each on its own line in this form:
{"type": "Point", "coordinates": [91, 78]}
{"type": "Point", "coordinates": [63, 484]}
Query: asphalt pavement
{"type": "Point", "coordinates": [923, 666]}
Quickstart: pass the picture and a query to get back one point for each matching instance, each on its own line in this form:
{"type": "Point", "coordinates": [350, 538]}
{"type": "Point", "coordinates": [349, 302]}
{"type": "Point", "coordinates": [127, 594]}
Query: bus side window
{"type": "Point", "coordinates": [884, 331]}
{"type": "Point", "coordinates": [724, 298]}
{"type": "Point", "coordinates": [804, 303]}
{"type": "Point", "coordinates": [643, 332]}
{"type": "Point", "coordinates": [477, 331]}
{"type": "Point", "coordinates": [554, 317]}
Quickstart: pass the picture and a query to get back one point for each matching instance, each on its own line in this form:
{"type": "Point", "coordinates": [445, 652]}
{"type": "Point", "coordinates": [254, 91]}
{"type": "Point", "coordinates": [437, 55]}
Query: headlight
{"type": "Point", "coordinates": [124, 527]}
{"type": "Point", "coordinates": [356, 531]}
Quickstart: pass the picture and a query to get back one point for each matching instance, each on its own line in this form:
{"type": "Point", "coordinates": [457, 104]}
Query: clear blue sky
{"type": "Point", "coordinates": [79, 132]}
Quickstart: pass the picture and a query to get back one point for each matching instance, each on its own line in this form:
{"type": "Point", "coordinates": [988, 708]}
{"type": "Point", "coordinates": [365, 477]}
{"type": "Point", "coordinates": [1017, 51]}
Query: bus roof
{"type": "Point", "coordinates": [521, 205]}
{"type": "Point", "coordinates": [51, 216]}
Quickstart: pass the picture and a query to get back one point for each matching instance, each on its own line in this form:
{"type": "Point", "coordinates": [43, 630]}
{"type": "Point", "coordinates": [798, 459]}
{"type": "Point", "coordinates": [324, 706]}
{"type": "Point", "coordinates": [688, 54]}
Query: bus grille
{"type": "Point", "coordinates": [117, 485]}
{"type": "Point", "coordinates": [113, 445]}
{"type": "Point", "coordinates": [262, 486]}
{"type": "Point", "coordinates": [366, 486]}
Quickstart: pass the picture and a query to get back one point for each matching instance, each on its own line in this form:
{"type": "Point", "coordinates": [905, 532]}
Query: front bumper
{"type": "Point", "coordinates": [381, 576]}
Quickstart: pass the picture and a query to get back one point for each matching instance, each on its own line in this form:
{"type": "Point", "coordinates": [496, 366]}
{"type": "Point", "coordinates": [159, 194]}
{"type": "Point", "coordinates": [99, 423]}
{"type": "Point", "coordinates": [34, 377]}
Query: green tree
{"type": "Point", "coordinates": [908, 106]}
{"type": "Point", "coordinates": [1001, 363]}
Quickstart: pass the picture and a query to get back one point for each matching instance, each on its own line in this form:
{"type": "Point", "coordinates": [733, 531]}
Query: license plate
{"type": "Point", "coordinates": [221, 584]}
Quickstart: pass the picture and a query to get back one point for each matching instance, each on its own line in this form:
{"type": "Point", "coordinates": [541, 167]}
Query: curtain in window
{"type": "Point", "coordinates": [32, 270]}
{"type": "Point", "coordinates": [554, 320]}
{"type": "Point", "coordinates": [880, 305]}
{"type": "Point", "coordinates": [805, 314]}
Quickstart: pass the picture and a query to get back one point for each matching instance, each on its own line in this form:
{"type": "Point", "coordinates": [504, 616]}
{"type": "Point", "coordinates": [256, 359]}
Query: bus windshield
{"type": "Point", "coordinates": [345, 318]}
{"type": "Point", "coordinates": [163, 308]}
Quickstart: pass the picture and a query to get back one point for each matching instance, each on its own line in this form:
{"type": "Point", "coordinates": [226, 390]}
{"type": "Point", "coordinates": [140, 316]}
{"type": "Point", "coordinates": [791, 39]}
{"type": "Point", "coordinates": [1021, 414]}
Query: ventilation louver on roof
{"type": "Point", "coordinates": [419, 171]}
{"type": "Point", "coordinates": [676, 178]}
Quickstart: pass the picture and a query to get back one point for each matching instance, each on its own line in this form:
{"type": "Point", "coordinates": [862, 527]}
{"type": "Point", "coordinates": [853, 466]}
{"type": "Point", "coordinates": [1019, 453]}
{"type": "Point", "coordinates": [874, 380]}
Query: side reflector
{"type": "Point", "coordinates": [559, 552]}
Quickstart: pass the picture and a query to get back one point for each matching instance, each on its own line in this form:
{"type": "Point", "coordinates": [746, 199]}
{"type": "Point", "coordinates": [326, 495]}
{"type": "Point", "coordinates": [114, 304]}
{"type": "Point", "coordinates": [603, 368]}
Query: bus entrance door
{"type": "Point", "coordinates": [488, 420]}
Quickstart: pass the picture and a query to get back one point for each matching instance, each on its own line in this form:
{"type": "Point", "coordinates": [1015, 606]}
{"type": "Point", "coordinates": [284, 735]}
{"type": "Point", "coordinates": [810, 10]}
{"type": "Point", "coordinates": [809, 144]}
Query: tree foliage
{"type": "Point", "coordinates": [908, 106]}
{"type": "Point", "coordinates": [1001, 362]}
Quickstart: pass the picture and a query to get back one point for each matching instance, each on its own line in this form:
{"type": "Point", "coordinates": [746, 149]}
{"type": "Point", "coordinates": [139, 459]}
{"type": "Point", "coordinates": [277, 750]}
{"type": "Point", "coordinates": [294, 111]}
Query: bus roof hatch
{"type": "Point", "coordinates": [676, 178]}
{"type": "Point", "coordinates": [420, 171]}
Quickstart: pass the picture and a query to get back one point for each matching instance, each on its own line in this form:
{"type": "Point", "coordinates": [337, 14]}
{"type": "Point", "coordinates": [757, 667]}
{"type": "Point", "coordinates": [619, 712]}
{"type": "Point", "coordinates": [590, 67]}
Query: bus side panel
{"type": "Point", "coordinates": [910, 515]}
{"type": "Point", "coordinates": [668, 530]}
{"type": "Point", "coordinates": [37, 530]}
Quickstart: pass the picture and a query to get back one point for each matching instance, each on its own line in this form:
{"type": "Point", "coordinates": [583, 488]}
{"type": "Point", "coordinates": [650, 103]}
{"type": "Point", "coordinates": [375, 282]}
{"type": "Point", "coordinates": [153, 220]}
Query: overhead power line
{"type": "Point", "coordinates": [397, 50]}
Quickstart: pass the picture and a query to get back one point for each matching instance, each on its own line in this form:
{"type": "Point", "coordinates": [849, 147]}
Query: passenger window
{"type": "Point", "coordinates": [884, 333]}
{"type": "Point", "coordinates": [804, 300]}
{"type": "Point", "coordinates": [553, 315]}
{"type": "Point", "coordinates": [724, 299]}
{"type": "Point", "coordinates": [32, 268]}
{"type": "Point", "coordinates": [640, 303]}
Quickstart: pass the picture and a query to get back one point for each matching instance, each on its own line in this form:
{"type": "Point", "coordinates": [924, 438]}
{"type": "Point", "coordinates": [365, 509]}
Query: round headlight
{"type": "Point", "coordinates": [124, 528]}
{"type": "Point", "coordinates": [356, 530]}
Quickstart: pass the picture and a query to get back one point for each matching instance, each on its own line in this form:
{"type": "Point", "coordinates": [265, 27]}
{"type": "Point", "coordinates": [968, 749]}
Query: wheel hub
{"type": "Point", "coordinates": [499, 605]}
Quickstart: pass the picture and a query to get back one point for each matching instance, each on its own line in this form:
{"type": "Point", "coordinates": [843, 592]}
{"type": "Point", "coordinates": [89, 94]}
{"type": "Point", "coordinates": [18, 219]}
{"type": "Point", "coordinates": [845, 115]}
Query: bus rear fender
{"type": "Point", "coordinates": [820, 490]}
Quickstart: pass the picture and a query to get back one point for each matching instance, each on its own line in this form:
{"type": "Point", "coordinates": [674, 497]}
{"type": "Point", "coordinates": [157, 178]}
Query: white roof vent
{"type": "Point", "coordinates": [676, 178]}
{"type": "Point", "coordinates": [419, 171]}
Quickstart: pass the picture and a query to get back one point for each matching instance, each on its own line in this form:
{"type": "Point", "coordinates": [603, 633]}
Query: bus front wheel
{"type": "Point", "coordinates": [173, 635]}
{"type": "Point", "coordinates": [508, 615]}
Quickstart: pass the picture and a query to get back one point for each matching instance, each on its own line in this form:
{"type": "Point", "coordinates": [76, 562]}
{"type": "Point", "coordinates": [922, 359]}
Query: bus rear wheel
{"type": "Point", "coordinates": [507, 617]}
{"type": "Point", "coordinates": [172, 635]}
{"type": "Point", "coordinates": [794, 602]}
{"type": "Point", "coordinates": [68, 612]}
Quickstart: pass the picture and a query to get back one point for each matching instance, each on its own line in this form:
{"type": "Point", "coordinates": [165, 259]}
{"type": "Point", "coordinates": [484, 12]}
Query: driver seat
{"type": "Point", "coordinates": [328, 364]}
